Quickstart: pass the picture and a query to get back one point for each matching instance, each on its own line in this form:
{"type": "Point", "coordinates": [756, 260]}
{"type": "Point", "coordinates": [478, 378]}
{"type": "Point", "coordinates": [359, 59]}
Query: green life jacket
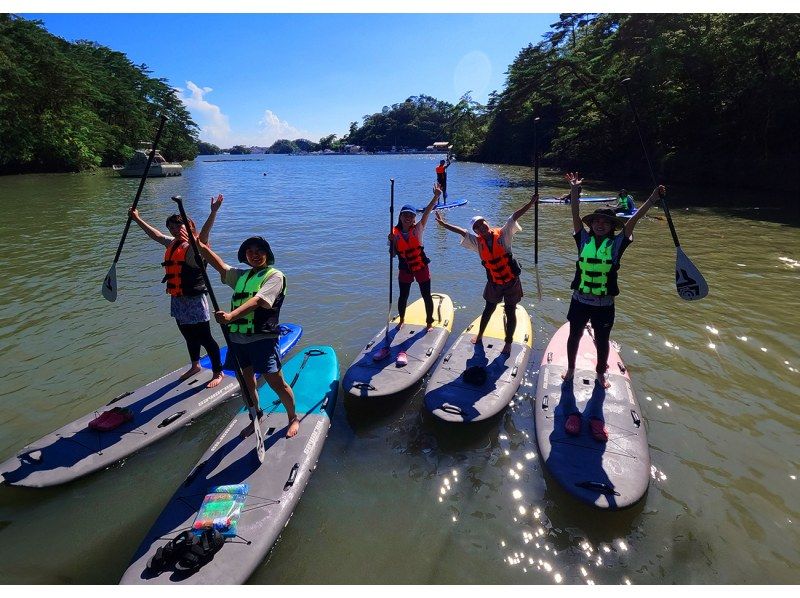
{"type": "Point", "coordinates": [261, 320]}
{"type": "Point", "coordinates": [594, 265]}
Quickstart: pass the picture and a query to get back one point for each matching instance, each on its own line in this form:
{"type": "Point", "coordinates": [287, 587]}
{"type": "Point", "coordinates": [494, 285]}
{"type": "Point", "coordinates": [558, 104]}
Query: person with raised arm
{"type": "Point", "coordinates": [595, 285]}
{"type": "Point", "coordinates": [493, 245]}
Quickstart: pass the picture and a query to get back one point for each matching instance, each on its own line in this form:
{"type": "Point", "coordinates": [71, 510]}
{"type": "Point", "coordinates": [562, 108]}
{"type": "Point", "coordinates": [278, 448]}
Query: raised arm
{"type": "Point", "coordinates": [657, 193]}
{"type": "Point", "coordinates": [575, 199]}
{"type": "Point", "coordinates": [519, 213]}
{"type": "Point", "coordinates": [151, 231]}
{"type": "Point", "coordinates": [456, 229]}
{"type": "Point", "coordinates": [206, 230]}
{"type": "Point", "coordinates": [437, 191]}
{"type": "Point", "coordinates": [212, 258]}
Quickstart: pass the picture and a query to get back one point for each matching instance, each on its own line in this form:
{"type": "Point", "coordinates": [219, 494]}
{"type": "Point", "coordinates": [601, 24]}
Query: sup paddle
{"type": "Point", "coordinates": [536, 209]}
{"type": "Point", "coordinates": [250, 402]}
{"type": "Point", "coordinates": [109, 288]}
{"type": "Point", "coordinates": [384, 351]}
{"type": "Point", "coordinates": [689, 282]}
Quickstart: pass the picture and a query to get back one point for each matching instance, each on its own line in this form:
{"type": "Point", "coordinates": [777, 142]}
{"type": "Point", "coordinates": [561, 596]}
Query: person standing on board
{"type": "Point", "coordinates": [253, 321]}
{"type": "Point", "coordinates": [405, 241]}
{"type": "Point", "coordinates": [595, 286]}
{"type": "Point", "coordinates": [625, 203]}
{"type": "Point", "coordinates": [493, 245]}
{"type": "Point", "coordinates": [188, 303]}
{"type": "Point", "coordinates": [441, 176]}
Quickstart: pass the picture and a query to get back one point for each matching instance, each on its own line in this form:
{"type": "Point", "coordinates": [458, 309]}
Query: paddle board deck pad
{"type": "Point", "coordinates": [610, 475]}
{"type": "Point", "coordinates": [274, 486]}
{"type": "Point", "coordinates": [475, 382]}
{"type": "Point", "coordinates": [450, 203]}
{"type": "Point", "coordinates": [369, 378]}
{"type": "Point", "coordinates": [157, 409]}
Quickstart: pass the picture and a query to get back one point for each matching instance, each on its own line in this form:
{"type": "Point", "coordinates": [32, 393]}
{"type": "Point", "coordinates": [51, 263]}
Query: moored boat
{"type": "Point", "coordinates": [158, 168]}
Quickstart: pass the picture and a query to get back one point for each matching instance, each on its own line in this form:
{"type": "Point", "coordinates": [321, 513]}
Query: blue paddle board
{"type": "Point", "coordinates": [446, 205]}
{"type": "Point", "coordinates": [274, 486]}
{"type": "Point", "coordinates": [156, 409]}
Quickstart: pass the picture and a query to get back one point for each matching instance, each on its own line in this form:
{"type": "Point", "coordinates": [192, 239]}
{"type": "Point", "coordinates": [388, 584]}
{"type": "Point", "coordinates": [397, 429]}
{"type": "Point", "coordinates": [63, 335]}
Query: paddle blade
{"type": "Point", "coordinates": [690, 283]}
{"type": "Point", "coordinates": [109, 288]}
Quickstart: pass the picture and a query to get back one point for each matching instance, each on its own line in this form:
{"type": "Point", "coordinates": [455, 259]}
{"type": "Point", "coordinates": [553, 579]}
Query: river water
{"type": "Point", "coordinates": [419, 503]}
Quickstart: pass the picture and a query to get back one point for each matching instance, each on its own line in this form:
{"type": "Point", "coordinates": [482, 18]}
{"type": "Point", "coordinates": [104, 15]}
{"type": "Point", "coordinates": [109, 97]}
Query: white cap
{"type": "Point", "coordinates": [475, 220]}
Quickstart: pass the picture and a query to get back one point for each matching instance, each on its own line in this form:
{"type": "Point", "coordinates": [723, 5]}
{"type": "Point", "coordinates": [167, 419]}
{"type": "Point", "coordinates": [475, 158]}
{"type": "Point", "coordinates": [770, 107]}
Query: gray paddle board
{"type": "Point", "coordinates": [159, 408]}
{"type": "Point", "coordinates": [451, 397]}
{"type": "Point", "coordinates": [276, 485]}
{"type": "Point", "coordinates": [611, 475]}
{"type": "Point", "coordinates": [369, 378]}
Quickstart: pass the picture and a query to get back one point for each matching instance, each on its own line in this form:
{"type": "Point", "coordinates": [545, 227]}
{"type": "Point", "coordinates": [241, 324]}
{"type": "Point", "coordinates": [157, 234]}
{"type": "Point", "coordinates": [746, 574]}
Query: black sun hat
{"type": "Point", "coordinates": [262, 243]}
{"type": "Point", "coordinates": [616, 222]}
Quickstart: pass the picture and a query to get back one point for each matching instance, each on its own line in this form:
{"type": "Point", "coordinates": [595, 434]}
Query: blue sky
{"type": "Point", "coordinates": [255, 78]}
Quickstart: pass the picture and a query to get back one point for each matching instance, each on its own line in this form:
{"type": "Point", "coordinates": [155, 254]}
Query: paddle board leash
{"type": "Point", "coordinates": [109, 288]}
{"type": "Point", "coordinates": [689, 283]}
{"type": "Point", "coordinates": [536, 209]}
{"type": "Point", "coordinates": [250, 402]}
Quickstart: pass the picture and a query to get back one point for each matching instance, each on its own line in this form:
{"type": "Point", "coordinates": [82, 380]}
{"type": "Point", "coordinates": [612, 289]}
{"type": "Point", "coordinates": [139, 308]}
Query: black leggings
{"type": "Point", "coordinates": [602, 319]}
{"type": "Point", "coordinates": [199, 335]}
{"type": "Point", "coordinates": [424, 290]}
{"type": "Point", "coordinates": [511, 319]}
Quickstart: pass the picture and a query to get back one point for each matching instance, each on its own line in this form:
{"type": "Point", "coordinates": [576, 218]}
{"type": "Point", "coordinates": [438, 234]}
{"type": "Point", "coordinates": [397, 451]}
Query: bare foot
{"type": "Point", "coordinates": [294, 427]}
{"type": "Point", "coordinates": [506, 349]}
{"type": "Point", "coordinates": [215, 380]}
{"type": "Point", "coordinates": [399, 323]}
{"type": "Point", "coordinates": [568, 374]}
{"type": "Point", "coordinates": [475, 340]}
{"type": "Point", "coordinates": [603, 379]}
{"type": "Point", "coordinates": [195, 369]}
{"type": "Point", "coordinates": [429, 326]}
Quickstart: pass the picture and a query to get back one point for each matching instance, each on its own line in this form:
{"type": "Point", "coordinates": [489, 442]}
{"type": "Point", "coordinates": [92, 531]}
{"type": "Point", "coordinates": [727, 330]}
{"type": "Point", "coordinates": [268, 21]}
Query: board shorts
{"type": "Point", "coordinates": [262, 355]}
{"type": "Point", "coordinates": [421, 275]}
{"type": "Point", "coordinates": [510, 293]}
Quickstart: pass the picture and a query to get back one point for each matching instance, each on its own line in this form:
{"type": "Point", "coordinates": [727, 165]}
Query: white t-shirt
{"type": "Point", "coordinates": [510, 228]}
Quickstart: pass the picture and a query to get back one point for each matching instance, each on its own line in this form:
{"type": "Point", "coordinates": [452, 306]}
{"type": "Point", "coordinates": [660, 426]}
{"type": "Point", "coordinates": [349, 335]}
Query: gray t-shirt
{"type": "Point", "coordinates": [269, 292]}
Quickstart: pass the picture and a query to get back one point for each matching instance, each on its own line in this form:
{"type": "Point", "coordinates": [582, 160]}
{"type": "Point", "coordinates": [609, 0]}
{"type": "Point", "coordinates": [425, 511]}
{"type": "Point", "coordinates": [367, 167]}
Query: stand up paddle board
{"type": "Point", "coordinates": [608, 475]}
{"type": "Point", "coordinates": [273, 489]}
{"type": "Point", "coordinates": [555, 200]}
{"type": "Point", "coordinates": [474, 382]}
{"type": "Point", "coordinates": [152, 412]}
{"type": "Point", "coordinates": [369, 378]}
{"type": "Point", "coordinates": [445, 205]}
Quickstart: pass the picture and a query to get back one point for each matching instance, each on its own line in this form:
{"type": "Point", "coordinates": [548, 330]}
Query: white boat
{"type": "Point", "coordinates": [159, 167]}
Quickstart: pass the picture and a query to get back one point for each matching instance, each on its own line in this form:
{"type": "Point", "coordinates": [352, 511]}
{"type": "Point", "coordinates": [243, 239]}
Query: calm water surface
{"type": "Point", "coordinates": [421, 502]}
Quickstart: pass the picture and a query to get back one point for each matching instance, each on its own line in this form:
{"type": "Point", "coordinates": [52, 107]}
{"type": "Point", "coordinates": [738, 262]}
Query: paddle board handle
{"type": "Point", "coordinates": [292, 476]}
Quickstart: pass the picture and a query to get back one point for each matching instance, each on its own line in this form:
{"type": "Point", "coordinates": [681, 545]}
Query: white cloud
{"type": "Point", "coordinates": [214, 125]}
{"type": "Point", "coordinates": [272, 128]}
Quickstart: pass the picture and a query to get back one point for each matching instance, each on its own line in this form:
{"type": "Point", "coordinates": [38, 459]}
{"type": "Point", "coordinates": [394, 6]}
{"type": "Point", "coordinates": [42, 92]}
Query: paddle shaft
{"type": "Point", "coordinates": [649, 164]}
{"type": "Point", "coordinates": [251, 401]}
{"type": "Point", "coordinates": [535, 192]}
{"type": "Point", "coordinates": [141, 186]}
{"type": "Point", "coordinates": [391, 257]}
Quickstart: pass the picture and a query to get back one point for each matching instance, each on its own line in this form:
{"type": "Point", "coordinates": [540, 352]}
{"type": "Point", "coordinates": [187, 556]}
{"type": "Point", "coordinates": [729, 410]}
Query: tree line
{"type": "Point", "coordinates": [716, 94]}
{"type": "Point", "coordinates": [71, 106]}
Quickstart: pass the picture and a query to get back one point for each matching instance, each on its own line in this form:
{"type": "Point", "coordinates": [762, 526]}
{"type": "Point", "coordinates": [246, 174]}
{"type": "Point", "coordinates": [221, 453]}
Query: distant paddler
{"type": "Point", "coordinates": [441, 176]}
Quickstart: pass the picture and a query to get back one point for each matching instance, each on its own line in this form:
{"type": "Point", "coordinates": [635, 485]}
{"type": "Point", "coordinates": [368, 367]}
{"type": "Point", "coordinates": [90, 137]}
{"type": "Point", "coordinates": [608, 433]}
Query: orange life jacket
{"type": "Point", "coordinates": [181, 278]}
{"type": "Point", "coordinates": [410, 254]}
{"type": "Point", "coordinates": [440, 170]}
{"type": "Point", "coordinates": [500, 266]}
